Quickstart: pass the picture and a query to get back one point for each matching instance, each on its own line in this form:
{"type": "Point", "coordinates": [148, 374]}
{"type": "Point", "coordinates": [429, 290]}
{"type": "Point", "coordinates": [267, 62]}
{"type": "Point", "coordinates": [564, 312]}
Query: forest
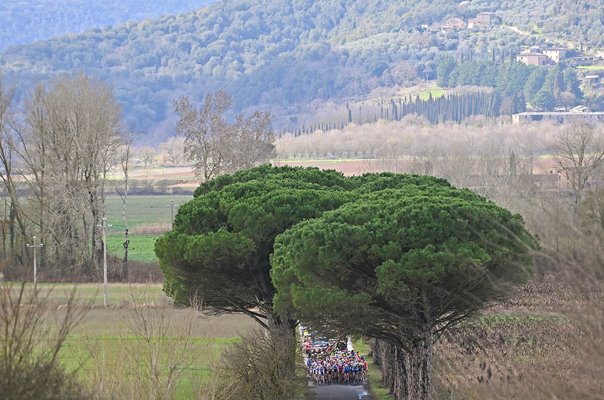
{"type": "Point", "coordinates": [268, 53]}
{"type": "Point", "coordinates": [25, 22]}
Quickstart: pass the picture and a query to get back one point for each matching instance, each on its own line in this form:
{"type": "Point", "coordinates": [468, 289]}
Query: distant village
{"type": "Point", "coordinates": [591, 78]}
{"type": "Point", "coordinates": [482, 20]}
{"type": "Point", "coordinates": [531, 56]}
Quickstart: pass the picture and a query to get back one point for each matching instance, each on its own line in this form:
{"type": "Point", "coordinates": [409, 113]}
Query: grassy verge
{"type": "Point", "coordinates": [493, 320]}
{"type": "Point", "coordinates": [302, 383]}
{"type": "Point", "coordinates": [376, 388]}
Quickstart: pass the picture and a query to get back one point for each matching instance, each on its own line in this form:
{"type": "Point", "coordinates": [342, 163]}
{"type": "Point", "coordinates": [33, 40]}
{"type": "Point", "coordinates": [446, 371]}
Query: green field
{"type": "Point", "coordinates": [591, 67]}
{"type": "Point", "coordinates": [148, 216]}
{"type": "Point", "coordinates": [122, 360]}
{"type": "Point", "coordinates": [141, 247]}
{"type": "Point", "coordinates": [436, 92]}
{"type": "Point", "coordinates": [142, 210]}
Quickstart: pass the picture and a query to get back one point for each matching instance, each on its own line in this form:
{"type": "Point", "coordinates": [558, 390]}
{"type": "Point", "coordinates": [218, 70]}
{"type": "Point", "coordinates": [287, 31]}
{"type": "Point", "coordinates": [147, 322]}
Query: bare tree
{"type": "Point", "coordinates": [258, 367]}
{"type": "Point", "coordinates": [593, 209]}
{"type": "Point", "coordinates": [404, 73]}
{"type": "Point", "coordinates": [147, 156]}
{"type": "Point", "coordinates": [156, 351]}
{"type": "Point", "coordinates": [578, 151]}
{"type": "Point", "coordinates": [205, 132]}
{"type": "Point", "coordinates": [174, 149]}
{"type": "Point", "coordinates": [67, 146]}
{"type": "Point", "coordinates": [124, 155]}
{"type": "Point", "coordinates": [13, 225]}
{"type": "Point", "coordinates": [29, 356]}
{"type": "Point", "coordinates": [251, 142]}
{"type": "Point", "coordinates": [216, 146]}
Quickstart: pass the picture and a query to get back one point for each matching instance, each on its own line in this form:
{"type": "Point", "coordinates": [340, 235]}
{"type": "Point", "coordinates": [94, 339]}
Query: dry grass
{"type": "Point", "coordinates": [155, 228]}
{"type": "Point", "coordinates": [103, 322]}
{"type": "Point", "coordinates": [546, 345]}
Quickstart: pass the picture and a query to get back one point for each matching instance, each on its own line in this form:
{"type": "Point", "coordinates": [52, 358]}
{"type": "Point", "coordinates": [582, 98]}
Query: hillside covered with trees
{"type": "Point", "coordinates": [282, 54]}
{"type": "Point", "coordinates": [25, 22]}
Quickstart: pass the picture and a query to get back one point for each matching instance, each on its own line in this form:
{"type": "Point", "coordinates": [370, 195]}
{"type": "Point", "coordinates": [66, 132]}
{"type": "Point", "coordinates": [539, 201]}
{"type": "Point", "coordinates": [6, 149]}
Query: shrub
{"type": "Point", "coordinates": [258, 367]}
{"type": "Point", "coordinates": [29, 347]}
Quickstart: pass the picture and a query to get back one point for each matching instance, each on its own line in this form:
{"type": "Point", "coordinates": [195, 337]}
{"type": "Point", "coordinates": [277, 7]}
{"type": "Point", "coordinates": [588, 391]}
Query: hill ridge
{"type": "Point", "coordinates": [279, 54]}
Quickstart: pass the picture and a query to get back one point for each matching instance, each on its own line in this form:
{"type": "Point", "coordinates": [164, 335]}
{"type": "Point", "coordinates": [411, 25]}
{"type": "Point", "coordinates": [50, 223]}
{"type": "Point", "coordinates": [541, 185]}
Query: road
{"type": "Point", "coordinates": [338, 392]}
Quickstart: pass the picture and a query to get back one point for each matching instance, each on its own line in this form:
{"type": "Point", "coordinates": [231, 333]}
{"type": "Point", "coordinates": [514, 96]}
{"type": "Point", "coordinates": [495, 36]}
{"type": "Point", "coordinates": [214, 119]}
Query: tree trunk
{"type": "Point", "coordinates": [376, 352]}
{"type": "Point", "coordinates": [388, 359]}
{"type": "Point", "coordinates": [416, 370]}
{"type": "Point", "coordinates": [401, 384]}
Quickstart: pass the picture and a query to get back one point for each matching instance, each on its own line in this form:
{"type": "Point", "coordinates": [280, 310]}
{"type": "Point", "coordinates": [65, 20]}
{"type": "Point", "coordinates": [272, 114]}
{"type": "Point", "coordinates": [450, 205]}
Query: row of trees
{"type": "Point", "coordinates": [455, 106]}
{"type": "Point", "coordinates": [412, 254]}
{"type": "Point", "coordinates": [478, 153]}
{"type": "Point", "coordinates": [55, 157]}
{"type": "Point", "coordinates": [57, 153]}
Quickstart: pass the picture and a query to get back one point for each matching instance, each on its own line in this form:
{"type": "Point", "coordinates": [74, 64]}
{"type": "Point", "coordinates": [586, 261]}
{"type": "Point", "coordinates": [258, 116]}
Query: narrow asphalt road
{"type": "Point", "coordinates": [338, 392]}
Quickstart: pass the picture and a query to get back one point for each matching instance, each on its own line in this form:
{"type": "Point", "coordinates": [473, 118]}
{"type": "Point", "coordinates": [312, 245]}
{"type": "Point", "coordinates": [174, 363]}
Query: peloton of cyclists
{"type": "Point", "coordinates": [336, 366]}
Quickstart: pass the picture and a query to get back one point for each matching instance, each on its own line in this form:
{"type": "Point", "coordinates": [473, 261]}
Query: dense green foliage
{"type": "Point", "coordinates": [283, 53]}
{"type": "Point", "coordinates": [558, 83]}
{"type": "Point", "coordinates": [399, 258]}
{"type": "Point", "coordinates": [382, 250]}
{"type": "Point", "coordinates": [402, 265]}
{"type": "Point", "coordinates": [219, 247]}
{"type": "Point", "coordinates": [24, 22]}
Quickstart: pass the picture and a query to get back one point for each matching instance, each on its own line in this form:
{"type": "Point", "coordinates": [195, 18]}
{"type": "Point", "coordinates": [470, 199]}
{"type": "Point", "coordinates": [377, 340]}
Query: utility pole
{"type": "Point", "coordinates": [172, 204]}
{"type": "Point", "coordinates": [35, 247]}
{"type": "Point", "coordinates": [105, 301]}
